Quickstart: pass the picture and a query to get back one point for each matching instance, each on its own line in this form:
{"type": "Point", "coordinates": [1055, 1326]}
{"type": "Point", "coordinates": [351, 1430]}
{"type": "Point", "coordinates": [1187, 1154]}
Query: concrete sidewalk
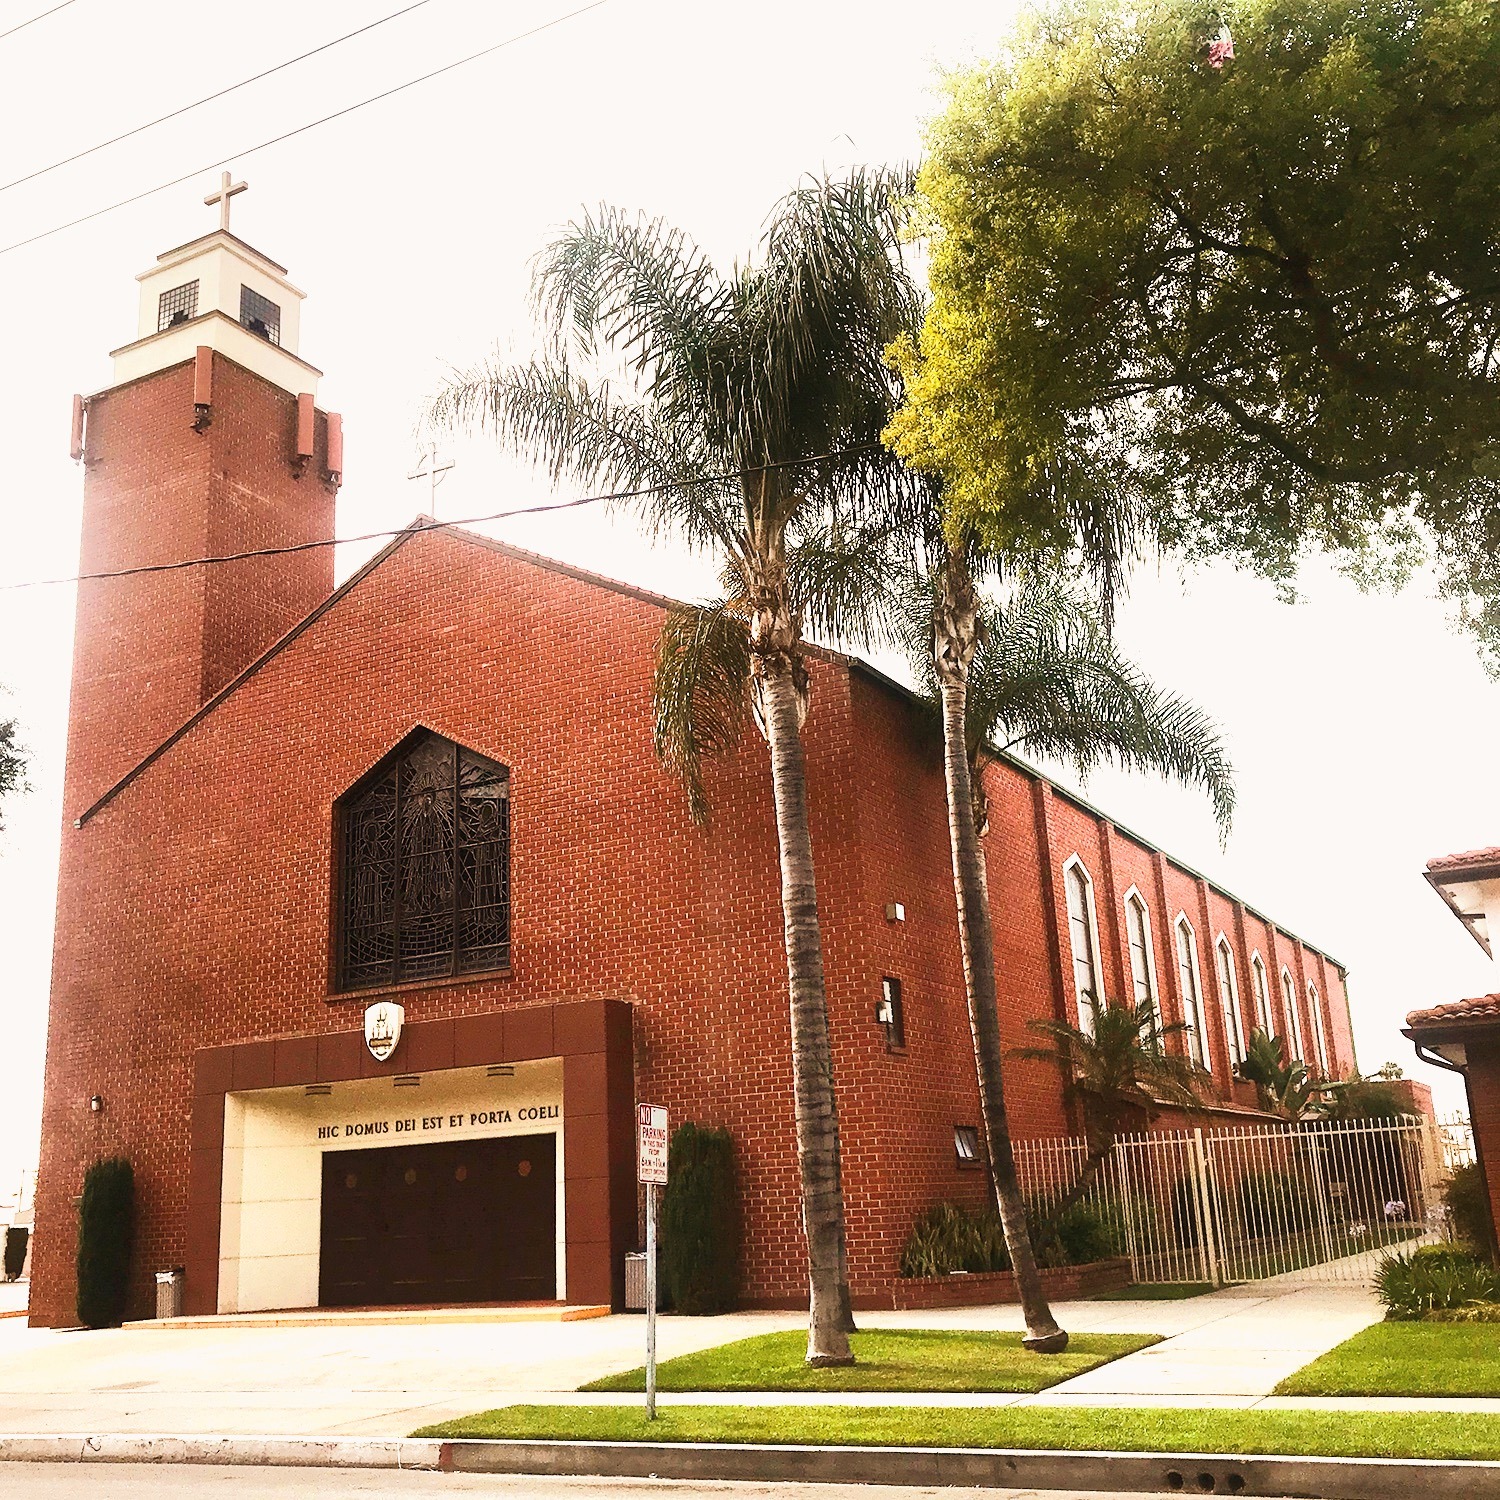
{"type": "Point", "coordinates": [1225, 1349]}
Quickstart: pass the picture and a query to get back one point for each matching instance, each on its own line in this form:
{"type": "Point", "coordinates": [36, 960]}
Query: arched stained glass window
{"type": "Point", "coordinates": [424, 889]}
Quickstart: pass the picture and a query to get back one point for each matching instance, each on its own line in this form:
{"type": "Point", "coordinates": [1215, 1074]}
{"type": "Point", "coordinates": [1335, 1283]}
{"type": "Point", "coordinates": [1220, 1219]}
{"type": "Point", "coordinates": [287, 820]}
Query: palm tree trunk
{"type": "Point", "coordinates": [978, 943]}
{"type": "Point", "coordinates": [812, 1060]}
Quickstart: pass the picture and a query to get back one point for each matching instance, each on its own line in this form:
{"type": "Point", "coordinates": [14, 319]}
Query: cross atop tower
{"type": "Point", "coordinates": [227, 189]}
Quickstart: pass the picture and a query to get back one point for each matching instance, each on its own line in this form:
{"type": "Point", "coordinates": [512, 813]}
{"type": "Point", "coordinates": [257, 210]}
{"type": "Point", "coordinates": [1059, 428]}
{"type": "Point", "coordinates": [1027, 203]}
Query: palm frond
{"type": "Point", "coordinates": [575, 429]}
{"type": "Point", "coordinates": [1050, 679]}
{"type": "Point", "coordinates": [634, 284]}
{"type": "Point", "coordinates": [700, 692]}
{"type": "Point", "coordinates": [1121, 1063]}
{"type": "Point", "coordinates": [844, 582]}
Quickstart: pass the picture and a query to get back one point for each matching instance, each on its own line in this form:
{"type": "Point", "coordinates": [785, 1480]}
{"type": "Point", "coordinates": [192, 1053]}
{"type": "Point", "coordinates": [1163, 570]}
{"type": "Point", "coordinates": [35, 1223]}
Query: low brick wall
{"type": "Point", "coordinates": [1063, 1284]}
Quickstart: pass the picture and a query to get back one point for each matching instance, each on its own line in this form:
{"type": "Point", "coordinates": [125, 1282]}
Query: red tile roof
{"type": "Point", "coordinates": [1480, 1008]}
{"type": "Point", "coordinates": [1469, 859]}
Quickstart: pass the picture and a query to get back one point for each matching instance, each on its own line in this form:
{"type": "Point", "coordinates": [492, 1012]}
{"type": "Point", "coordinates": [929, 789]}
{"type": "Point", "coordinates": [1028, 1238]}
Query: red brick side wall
{"type": "Point", "coordinates": [194, 906]}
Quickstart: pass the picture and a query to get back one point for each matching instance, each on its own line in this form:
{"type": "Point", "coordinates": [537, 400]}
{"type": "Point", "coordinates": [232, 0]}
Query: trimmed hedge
{"type": "Point", "coordinates": [15, 1250]}
{"type": "Point", "coordinates": [106, 1237]}
{"type": "Point", "coordinates": [700, 1222]}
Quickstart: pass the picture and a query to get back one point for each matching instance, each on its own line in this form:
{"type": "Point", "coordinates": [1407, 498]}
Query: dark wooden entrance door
{"type": "Point", "coordinates": [457, 1221]}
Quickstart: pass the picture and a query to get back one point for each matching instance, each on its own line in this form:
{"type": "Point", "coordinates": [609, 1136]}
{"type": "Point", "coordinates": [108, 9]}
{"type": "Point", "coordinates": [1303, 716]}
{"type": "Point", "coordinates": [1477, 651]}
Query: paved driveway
{"type": "Point", "coordinates": [1227, 1348]}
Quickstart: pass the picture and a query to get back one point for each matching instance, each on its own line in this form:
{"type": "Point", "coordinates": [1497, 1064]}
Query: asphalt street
{"type": "Point", "coordinates": [106, 1481]}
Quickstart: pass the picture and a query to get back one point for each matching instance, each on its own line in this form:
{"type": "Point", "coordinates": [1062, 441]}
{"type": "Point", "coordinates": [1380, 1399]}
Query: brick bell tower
{"type": "Point", "coordinates": [208, 443]}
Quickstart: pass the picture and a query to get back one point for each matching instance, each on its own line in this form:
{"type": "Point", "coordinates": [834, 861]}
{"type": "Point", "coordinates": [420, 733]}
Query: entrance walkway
{"type": "Point", "coordinates": [1228, 1348]}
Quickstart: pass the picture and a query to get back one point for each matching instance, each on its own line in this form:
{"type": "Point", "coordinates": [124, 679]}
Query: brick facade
{"type": "Point", "coordinates": [195, 896]}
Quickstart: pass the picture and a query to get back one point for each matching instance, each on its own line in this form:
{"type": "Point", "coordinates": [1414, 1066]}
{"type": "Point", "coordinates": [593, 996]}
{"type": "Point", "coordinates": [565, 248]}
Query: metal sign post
{"type": "Point", "coordinates": [651, 1169]}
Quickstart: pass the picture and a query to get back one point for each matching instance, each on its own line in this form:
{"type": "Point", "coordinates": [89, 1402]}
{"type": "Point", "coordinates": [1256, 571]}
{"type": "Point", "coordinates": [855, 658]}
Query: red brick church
{"type": "Point", "coordinates": [434, 786]}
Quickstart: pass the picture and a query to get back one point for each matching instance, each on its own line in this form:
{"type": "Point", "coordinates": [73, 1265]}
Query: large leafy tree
{"type": "Point", "coordinates": [746, 409]}
{"type": "Point", "coordinates": [1258, 294]}
{"type": "Point", "coordinates": [1039, 672]}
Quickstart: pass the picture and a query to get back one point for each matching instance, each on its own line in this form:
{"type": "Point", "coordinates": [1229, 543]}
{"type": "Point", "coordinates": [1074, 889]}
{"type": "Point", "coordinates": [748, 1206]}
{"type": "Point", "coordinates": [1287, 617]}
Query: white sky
{"type": "Point", "coordinates": [1359, 726]}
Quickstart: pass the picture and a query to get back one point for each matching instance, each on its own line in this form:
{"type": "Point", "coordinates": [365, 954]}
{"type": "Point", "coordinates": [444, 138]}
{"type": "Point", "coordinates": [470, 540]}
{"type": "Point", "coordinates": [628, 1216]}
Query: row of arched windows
{"type": "Point", "coordinates": [1083, 933]}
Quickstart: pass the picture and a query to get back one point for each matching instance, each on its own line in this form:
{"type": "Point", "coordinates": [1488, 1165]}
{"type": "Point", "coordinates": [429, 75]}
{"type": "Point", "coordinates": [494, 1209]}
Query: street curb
{"type": "Point", "coordinates": [1137, 1473]}
{"type": "Point", "coordinates": [282, 1452]}
{"type": "Point", "coordinates": [1133, 1473]}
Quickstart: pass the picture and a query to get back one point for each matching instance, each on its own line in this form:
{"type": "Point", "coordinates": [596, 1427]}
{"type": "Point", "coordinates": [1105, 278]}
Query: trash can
{"type": "Point", "coordinates": [635, 1282]}
{"type": "Point", "coordinates": [169, 1293]}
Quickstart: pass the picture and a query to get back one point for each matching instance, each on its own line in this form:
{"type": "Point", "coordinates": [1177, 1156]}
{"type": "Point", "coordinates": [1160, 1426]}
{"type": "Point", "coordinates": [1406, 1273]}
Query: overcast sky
{"type": "Point", "coordinates": [1362, 728]}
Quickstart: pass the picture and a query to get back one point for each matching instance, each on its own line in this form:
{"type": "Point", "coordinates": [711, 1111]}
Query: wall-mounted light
{"type": "Point", "coordinates": [895, 911]}
{"type": "Point", "coordinates": [96, 1103]}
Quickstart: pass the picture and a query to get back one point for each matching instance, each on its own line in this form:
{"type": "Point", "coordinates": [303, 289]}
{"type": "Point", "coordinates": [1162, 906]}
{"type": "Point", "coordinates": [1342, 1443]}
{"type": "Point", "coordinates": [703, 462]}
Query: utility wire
{"type": "Point", "coordinates": [427, 523]}
{"type": "Point", "coordinates": [115, 140]}
{"type": "Point", "coordinates": [32, 22]}
{"type": "Point", "coordinates": [287, 135]}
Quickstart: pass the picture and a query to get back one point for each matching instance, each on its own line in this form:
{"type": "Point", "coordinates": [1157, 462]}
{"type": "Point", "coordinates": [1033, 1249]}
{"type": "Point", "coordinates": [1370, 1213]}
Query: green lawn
{"type": "Point", "coordinates": [1155, 1291]}
{"type": "Point", "coordinates": [905, 1359]}
{"type": "Point", "coordinates": [1131, 1429]}
{"type": "Point", "coordinates": [1406, 1359]}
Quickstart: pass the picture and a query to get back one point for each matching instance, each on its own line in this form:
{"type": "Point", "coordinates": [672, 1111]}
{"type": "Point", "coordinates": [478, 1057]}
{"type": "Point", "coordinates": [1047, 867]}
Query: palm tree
{"type": "Point", "coordinates": [1286, 1088]}
{"type": "Point", "coordinates": [749, 424]}
{"type": "Point", "coordinates": [1122, 1074]}
{"type": "Point", "coordinates": [1042, 674]}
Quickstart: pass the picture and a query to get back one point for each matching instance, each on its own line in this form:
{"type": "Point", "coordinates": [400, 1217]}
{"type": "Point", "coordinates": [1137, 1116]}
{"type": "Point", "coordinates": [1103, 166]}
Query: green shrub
{"type": "Point", "coordinates": [1082, 1235]}
{"type": "Point", "coordinates": [1469, 1208]}
{"type": "Point", "coordinates": [700, 1222]}
{"type": "Point", "coordinates": [1435, 1278]}
{"type": "Point", "coordinates": [106, 1236]}
{"type": "Point", "coordinates": [948, 1238]}
{"type": "Point", "coordinates": [1272, 1202]}
{"type": "Point", "coordinates": [15, 1250]}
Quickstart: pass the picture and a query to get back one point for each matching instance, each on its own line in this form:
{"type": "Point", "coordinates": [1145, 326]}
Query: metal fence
{"type": "Point", "coordinates": [1320, 1201]}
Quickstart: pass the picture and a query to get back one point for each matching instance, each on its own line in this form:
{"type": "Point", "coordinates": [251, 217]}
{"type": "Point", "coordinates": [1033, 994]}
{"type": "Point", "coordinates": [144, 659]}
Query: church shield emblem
{"type": "Point", "coordinates": [383, 1022]}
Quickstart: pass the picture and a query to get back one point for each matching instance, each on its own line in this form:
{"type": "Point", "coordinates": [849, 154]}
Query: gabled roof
{"type": "Point", "coordinates": [1455, 876]}
{"type": "Point", "coordinates": [1469, 862]}
{"type": "Point", "coordinates": [1481, 1010]}
{"type": "Point", "coordinates": [424, 523]}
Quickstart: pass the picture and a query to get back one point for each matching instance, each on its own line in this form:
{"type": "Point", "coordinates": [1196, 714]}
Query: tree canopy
{"type": "Point", "coordinates": [1251, 302]}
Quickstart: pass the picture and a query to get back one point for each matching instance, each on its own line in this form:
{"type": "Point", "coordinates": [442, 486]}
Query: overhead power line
{"type": "Point", "coordinates": [32, 22]}
{"type": "Point", "coordinates": [429, 524]}
{"type": "Point", "coordinates": [287, 135]}
{"type": "Point", "coordinates": [125, 135]}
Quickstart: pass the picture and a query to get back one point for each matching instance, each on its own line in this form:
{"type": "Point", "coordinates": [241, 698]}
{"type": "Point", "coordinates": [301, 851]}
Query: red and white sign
{"type": "Point", "coordinates": [651, 1122]}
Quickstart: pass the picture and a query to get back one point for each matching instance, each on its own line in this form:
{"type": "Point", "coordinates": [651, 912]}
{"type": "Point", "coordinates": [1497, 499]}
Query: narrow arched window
{"type": "Point", "coordinates": [1293, 1014]}
{"type": "Point", "coordinates": [1263, 1017]}
{"type": "Point", "coordinates": [1320, 1036]}
{"type": "Point", "coordinates": [1142, 964]}
{"type": "Point", "coordinates": [1192, 990]}
{"type": "Point", "coordinates": [424, 879]}
{"type": "Point", "coordinates": [1229, 1000]}
{"type": "Point", "coordinates": [1083, 934]}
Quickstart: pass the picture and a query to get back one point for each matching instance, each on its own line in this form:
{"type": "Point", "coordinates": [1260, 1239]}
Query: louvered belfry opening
{"type": "Point", "coordinates": [425, 872]}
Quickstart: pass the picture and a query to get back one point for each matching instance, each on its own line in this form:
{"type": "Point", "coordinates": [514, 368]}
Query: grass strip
{"type": "Point", "coordinates": [900, 1359]}
{"type": "Point", "coordinates": [1446, 1435]}
{"type": "Point", "coordinates": [1405, 1359]}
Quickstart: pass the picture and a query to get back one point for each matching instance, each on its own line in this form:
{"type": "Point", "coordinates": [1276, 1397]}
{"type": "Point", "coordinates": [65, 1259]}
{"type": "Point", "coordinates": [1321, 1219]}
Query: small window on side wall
{"type": "Point", "coordinates": [891, 1014]}
{"type": "Point", "coordinates": [966, 1146]}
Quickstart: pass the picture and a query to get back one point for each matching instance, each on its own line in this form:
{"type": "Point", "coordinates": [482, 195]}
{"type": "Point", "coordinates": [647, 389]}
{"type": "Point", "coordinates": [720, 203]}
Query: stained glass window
{"type": "Point", "coordinates": [425, 878]}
